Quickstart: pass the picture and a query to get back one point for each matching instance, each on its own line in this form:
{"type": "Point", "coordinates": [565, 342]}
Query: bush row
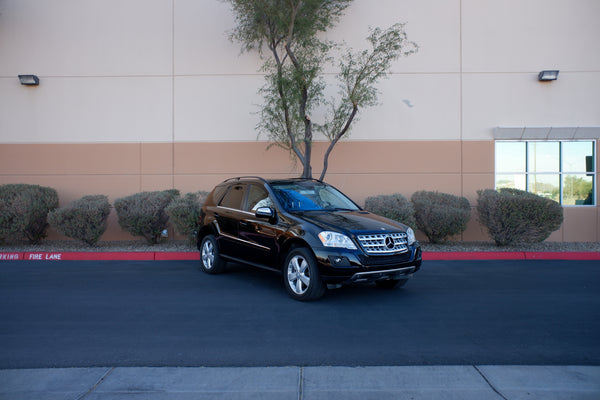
{"type": "Point", "coordinates": [510, 215]}
{"type": "Point", "coordinates": [26, 212]}
{"type": "Point", "coordinates": [513, 216]}
{"type": "Point", "coordinates": [438, 215]}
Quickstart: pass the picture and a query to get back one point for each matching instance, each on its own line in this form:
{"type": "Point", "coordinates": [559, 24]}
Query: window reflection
{"type": "Point", "coordinates": [578, 190]}
{"type": "Point", "coordinates": [545, 185]}
{"type": "Point", "coordinates": [510, 156]}
{"type": "Point", "coordinates": [561, 171]}
{"type": "Point", "coordinates": [575, 156]}
{"type": "Point", "coordinates": [543, 157]}
{"type": "Point", "coordinates": [511, 181]}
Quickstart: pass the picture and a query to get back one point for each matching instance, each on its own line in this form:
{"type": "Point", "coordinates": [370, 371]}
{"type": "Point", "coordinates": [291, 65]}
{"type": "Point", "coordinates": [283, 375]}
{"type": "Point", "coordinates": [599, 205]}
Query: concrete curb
{"type": "Point", "coordinates": [468, 382]}
{"type": "Point", "coordinates": [194, 255]}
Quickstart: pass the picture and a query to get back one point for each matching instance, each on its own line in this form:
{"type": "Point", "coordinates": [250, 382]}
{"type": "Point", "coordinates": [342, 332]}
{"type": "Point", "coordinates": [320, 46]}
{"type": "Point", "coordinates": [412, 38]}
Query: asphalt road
{"type": "Point", "coordinates": [85, 314]}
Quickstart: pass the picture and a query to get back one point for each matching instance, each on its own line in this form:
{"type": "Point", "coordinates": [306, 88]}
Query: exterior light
{"type": "Point", "coordinates": [29, 80]}
{"type": "Point", "coordinates": [550, 75]}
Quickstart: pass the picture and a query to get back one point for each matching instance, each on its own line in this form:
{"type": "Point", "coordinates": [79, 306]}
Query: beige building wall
{"type": "Point", "coordinates": [150, 94]}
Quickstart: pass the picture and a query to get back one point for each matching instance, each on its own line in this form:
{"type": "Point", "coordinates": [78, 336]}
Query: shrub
{"type": "Point", "coordinates": [143, 214]}
{"type": "Point", "coordinates": [392, 206]}
{"type": "Point", "coordinates": [440, 215]}
{"type": "Point", "coordinates": [185, 213]}
{"type": "Point", "coordinates": [24, 211]}
{"type": "Point", "coordinates": [84, 219]}
{"type": "Point", "coordinates": [513, 216]}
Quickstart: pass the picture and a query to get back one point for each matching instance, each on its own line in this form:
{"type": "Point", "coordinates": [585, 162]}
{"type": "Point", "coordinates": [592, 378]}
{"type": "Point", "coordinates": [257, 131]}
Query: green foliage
{"type": "Point", "coordinates": [392, 206]}
{"type": "Point", "coordinates": [288, 35]}
{"type": "Point", "coordinates": [84, 219]}
{"type": "Point", "coordinates": [143, 214]}
{"type": "Point", "coordinates": [24, 211]}
{"type": "Point", "coordinates": [440, 215]}
{"type": "Point", "coordinates": [513, 216]}
{"type": "Point", "coordinates": [185, 213]}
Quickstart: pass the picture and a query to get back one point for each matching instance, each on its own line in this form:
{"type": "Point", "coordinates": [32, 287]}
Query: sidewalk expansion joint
{"type": "Point", "coordinates": [106, 374]}
{"type": "Point", "coordinates": [301, 384]}
{"type": "Point", "coordinates": [489, 383]}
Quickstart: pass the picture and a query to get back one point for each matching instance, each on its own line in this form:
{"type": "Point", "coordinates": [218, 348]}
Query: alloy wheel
{"type": "Point", "coordinates": [208, 254]}
{"type": "Point", "coordinates": [298, 275]}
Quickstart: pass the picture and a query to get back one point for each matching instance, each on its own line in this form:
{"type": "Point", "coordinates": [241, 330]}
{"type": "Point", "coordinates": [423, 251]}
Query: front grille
{"type": "Point", "coordinates": [383, 243]}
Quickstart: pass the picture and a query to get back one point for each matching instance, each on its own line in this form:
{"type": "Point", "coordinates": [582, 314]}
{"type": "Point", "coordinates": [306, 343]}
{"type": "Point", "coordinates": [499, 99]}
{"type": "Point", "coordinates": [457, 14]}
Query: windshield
{"type": "Point", "coordinates": [311, 196]}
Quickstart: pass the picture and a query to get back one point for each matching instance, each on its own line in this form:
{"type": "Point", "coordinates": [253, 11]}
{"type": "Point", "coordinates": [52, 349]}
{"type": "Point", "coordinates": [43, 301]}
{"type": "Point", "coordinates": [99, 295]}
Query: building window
{"type": "Point", "coordinates": [563, 171]}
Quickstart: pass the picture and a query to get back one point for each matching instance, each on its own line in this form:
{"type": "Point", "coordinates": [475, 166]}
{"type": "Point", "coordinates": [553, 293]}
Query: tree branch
{"type": "Point", "coordinates": [337, 138]}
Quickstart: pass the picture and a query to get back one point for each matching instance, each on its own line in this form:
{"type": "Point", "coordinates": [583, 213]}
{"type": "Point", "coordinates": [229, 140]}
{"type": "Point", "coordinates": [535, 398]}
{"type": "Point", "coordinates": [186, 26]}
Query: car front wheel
{"type": "Point", "coordinates": [210, 260]}
{"type": "Point", "coordinates": [301, 275]}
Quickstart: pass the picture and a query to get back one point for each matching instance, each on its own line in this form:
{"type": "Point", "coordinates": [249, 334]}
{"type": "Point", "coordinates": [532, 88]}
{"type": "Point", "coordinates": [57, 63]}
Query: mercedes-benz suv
{"type": "Point", "coordinates": [306, 229]}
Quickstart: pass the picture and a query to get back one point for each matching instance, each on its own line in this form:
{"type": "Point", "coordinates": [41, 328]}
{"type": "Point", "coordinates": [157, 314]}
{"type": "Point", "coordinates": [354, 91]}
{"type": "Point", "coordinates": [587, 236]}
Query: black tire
{"type": "Point", "coordinates": [391, 283]}
{"type": "Point", "coordinates": [210, 260]}
{"type": "Point", "coordinates": [301, 275]}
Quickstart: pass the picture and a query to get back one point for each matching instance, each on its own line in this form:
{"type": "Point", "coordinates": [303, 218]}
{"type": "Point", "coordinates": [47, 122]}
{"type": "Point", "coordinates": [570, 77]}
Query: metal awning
{"type": "Point", "coordinates": [547, 133]}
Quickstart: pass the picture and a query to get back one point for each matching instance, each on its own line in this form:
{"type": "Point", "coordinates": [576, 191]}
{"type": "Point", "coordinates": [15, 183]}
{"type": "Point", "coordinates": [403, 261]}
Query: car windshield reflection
{"type": "Point", "coordinates": [311, 196]}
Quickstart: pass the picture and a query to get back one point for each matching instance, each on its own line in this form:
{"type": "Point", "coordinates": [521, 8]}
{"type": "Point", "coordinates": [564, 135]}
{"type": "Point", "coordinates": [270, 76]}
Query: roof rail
{"type": "Point", "coordinates": [266, 181]}
{"type": "Point", "coordinates": [246, 177]}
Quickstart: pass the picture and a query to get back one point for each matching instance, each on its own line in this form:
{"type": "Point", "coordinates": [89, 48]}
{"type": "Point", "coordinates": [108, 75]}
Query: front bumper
{"type": "Point", "coordinates": [370, 276]}
{"type": "Point", "coordinates": [339, 267]}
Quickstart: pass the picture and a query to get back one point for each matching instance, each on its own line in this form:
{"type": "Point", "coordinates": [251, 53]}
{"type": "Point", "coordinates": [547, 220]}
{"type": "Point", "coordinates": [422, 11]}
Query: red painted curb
{"type": "Point", "coordinates": [474, 255]}
{"type": "Point", "coordinates": [12, 256]}
{"type": "Point", "coordinates": [166, 256]}
{"type": "Point", "coordinates": [194, 255]}
{"type": "Point", "coordinates": [552, 255]}
{"type": "Point", "coordinates": [90, 256]}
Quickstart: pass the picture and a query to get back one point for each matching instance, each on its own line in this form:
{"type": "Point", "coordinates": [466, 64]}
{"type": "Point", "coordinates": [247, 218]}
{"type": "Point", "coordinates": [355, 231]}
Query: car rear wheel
{"type": "Point", "coordinates": [210, 260]}
{"type": "Point", "coordinates": [301, 275]}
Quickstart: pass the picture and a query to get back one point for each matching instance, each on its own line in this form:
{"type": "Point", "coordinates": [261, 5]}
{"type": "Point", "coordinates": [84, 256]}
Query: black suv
{"type": "Point", "coordinates": [306, 229]}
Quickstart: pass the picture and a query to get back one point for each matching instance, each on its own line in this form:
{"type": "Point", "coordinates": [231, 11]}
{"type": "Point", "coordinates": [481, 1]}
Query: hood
{"type": "Point", "coordinates": [351, 221]}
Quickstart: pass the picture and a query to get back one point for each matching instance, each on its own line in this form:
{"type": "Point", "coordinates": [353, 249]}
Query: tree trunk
{"type": "Point", "coordinates": [306, 167]}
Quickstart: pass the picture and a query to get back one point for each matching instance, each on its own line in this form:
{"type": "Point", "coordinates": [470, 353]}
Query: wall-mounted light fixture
{"type": "Point", "coordinates": [550, 75]}
{"type": "Point", "coordinates": [29, 80]}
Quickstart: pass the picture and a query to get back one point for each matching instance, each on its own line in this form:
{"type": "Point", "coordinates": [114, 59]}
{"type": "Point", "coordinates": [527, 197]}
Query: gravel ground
{"type": "Point", "coordinates": [183, 245]}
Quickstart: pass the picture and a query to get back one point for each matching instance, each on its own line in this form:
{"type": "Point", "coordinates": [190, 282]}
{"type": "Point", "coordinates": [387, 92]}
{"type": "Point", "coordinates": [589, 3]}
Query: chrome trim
{"type": "Point", "coordinates": [245, 241]}
{"type": "Point", "coordinates": [384, 243]}
{"type": "Point", "coordinates": [360, 275]}
{"type": "Point", "coordinates": [237, 210]}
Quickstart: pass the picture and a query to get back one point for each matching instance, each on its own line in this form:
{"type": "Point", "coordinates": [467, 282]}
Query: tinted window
{"type": "Point", "coordinates": [219, 192]}
{"type": "Point", "coordinates": [257, 197]}
{"type": "Point", "coordinates": [311, 196]}
{"type": "Point", "coordinates": [233, 199]}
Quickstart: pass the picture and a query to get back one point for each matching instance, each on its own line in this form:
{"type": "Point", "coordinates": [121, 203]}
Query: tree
{"type": "Point", "coordinates": [286, 34]}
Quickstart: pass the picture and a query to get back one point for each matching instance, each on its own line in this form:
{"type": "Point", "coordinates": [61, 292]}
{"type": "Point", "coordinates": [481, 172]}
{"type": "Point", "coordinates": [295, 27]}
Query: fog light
{"type": "Point", "coordinates": [339, 261]}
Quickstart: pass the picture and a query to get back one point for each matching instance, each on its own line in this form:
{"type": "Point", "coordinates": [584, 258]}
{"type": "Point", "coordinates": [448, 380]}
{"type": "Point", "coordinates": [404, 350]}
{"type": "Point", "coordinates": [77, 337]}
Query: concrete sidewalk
{"type": "Point", "coordinates": [304, 383]}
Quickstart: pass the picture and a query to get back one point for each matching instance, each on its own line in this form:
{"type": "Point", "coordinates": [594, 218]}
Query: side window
{"type": "Point", "coordinates": [219, 192]}
{"type": "Point", "coordinates": [233, 199]}
{"type": "Point", "coordinates": [257, 197]}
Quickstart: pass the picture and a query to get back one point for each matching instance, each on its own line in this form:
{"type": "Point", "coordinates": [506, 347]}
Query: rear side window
{"type": "Point", "coordinates": [218, 193]}
{"type": "Point", "coordinates": [233, 199]}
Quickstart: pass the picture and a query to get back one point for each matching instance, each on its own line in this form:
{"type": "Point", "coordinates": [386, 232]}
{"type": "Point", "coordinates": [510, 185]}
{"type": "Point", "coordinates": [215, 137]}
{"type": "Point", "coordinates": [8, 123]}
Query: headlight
{"type": "Point", "coordinates": [410, 236]}
{"type": "Point", "coordinates": [334, 239]}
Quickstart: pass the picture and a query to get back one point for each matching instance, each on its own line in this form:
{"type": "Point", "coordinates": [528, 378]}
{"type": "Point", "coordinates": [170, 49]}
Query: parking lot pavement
{"type": "Point", "coordinates": [304, 383]}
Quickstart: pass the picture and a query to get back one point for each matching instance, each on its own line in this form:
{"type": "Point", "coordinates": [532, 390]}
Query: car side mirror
{"type": "Point", "coordinates": [265, 212]}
